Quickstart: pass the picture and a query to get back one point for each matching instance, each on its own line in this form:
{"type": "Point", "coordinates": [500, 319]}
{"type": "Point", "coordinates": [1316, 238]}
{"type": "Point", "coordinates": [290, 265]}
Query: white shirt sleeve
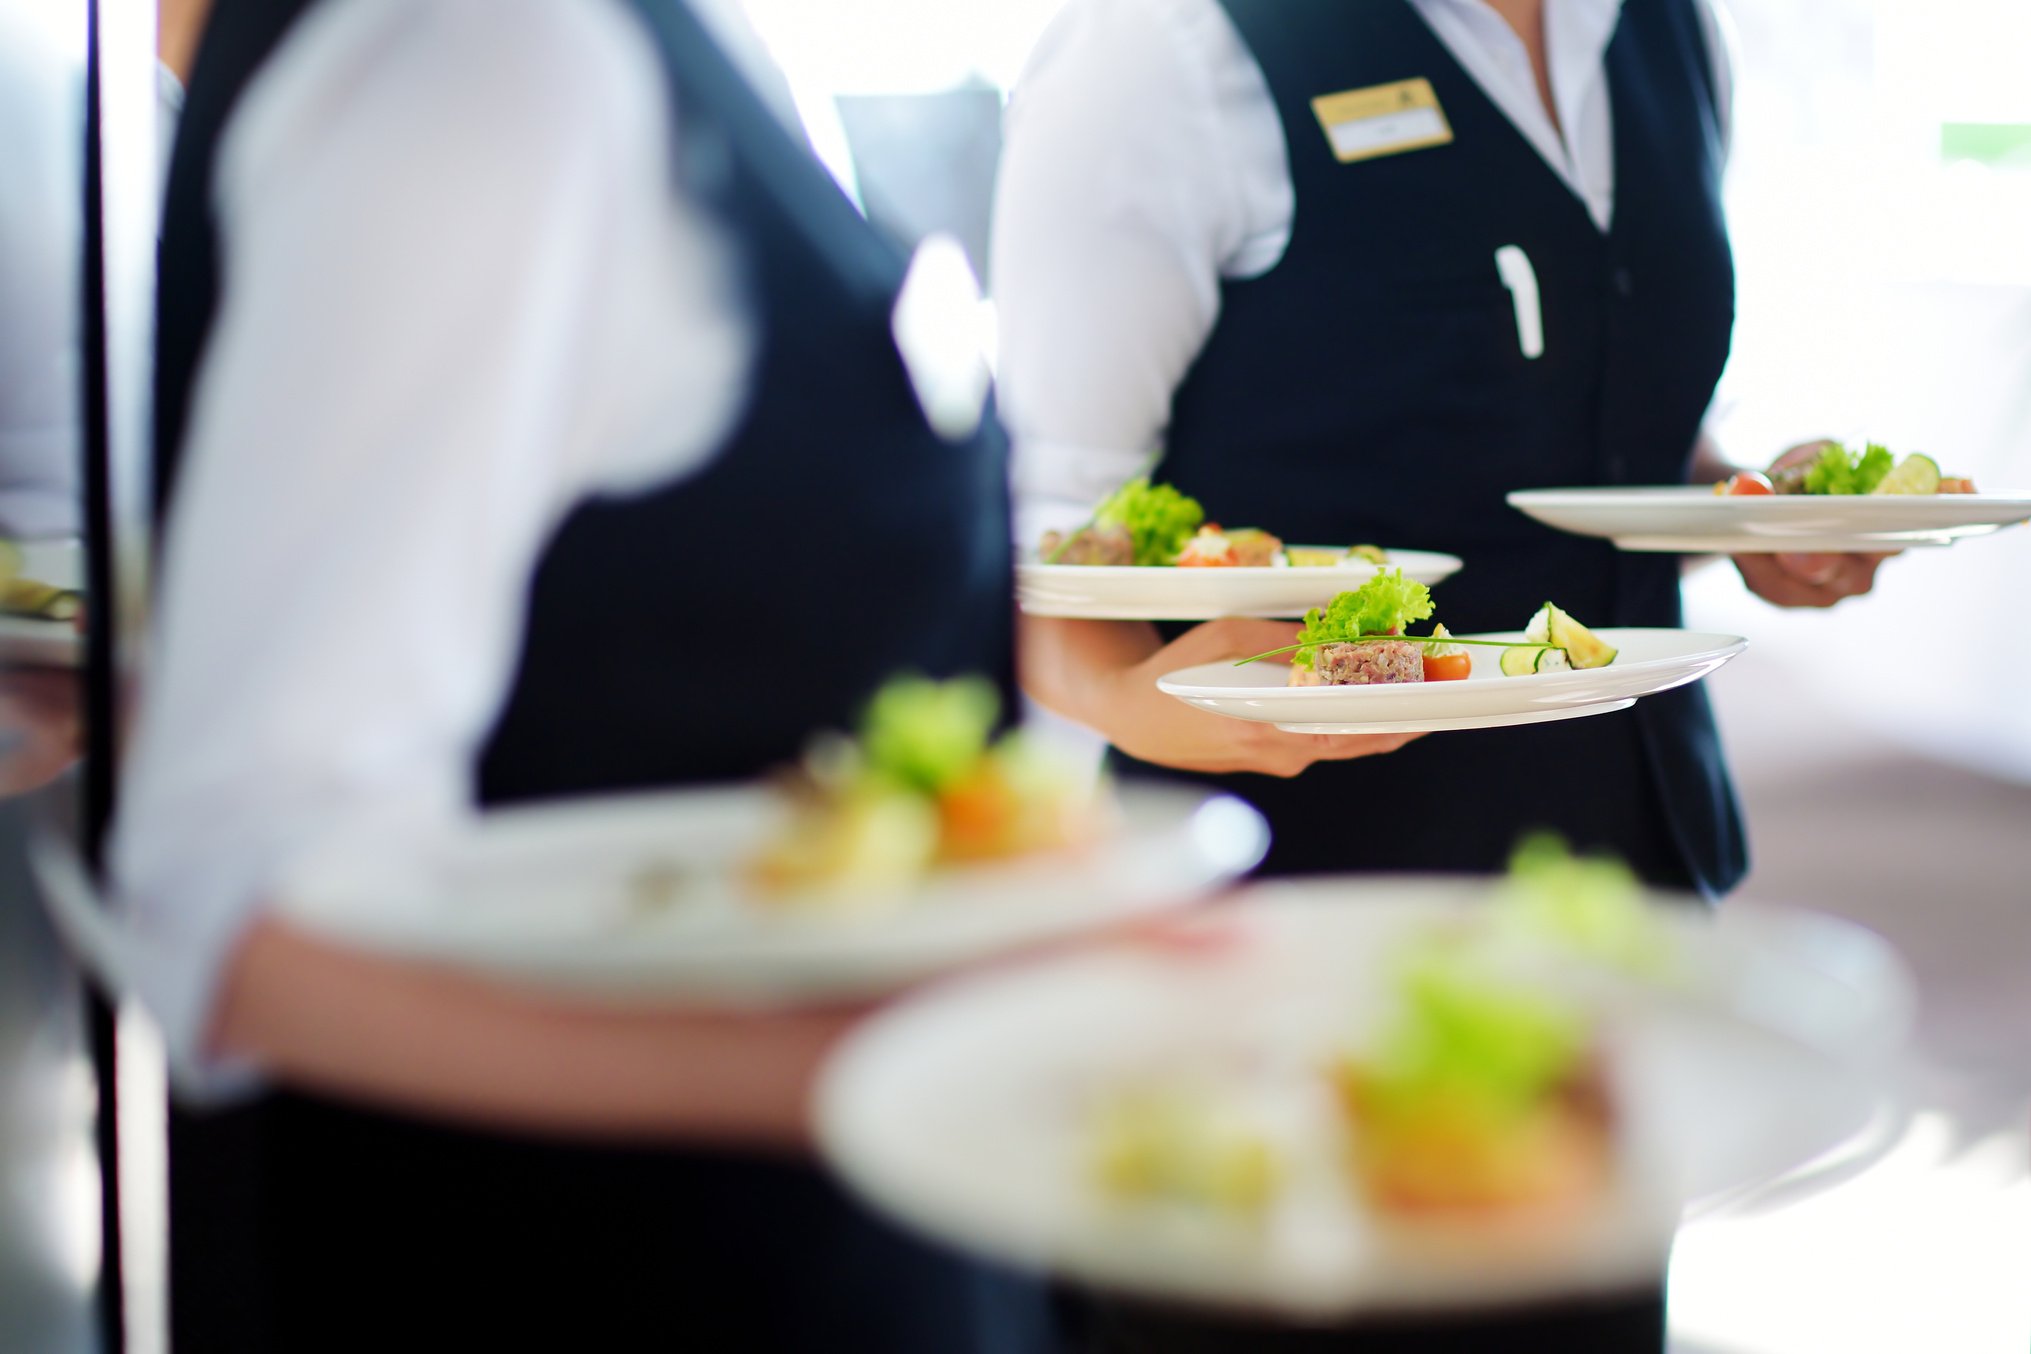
{"type": "Point", "coordinates": [42, 129]}
{"type": "Point", "coordinates": [1131, 181]}
{"type": "Point", "coordinates": [1145, 161]}
{"type": "Point", "coordinates": [459, 293]}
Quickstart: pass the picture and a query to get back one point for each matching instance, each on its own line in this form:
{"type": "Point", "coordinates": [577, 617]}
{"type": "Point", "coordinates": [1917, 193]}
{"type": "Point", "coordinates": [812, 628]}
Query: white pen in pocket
{"type": "Point", "coordinates": [1513, 265]}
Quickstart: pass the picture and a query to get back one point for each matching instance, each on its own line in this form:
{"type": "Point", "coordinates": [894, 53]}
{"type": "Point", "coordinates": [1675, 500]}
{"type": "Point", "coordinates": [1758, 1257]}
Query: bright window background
{"type": "Point", "coordinates": [1883, 233]}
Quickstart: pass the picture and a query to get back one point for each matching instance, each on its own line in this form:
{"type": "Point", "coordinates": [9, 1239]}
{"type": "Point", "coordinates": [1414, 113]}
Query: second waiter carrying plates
{"type": "Point", "coordinates": [1361, 270]}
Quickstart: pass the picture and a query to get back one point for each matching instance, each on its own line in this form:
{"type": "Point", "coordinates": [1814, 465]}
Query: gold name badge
{"type": "Point", "coordinates": [1363, 124]}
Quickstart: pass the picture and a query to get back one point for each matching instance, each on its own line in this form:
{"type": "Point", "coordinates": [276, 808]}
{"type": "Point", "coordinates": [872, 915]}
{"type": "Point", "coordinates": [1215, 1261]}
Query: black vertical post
{"type": "Point", "coordinates": [101, 749]}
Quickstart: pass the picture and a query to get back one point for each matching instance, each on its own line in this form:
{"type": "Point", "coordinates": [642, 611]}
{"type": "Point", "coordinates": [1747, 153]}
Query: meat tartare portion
{"type": "Point", "coordinates": [1366, 663]}
{"type": "Point", "coordinates": [1090, 545]}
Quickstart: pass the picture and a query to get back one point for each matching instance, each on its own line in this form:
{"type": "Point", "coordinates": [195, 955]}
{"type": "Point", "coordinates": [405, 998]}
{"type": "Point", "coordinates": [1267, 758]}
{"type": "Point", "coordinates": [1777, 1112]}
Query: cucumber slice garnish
{"type": "Point", "coordinates": [1524, 661]}
{"type": "Point", "coordinates": [1915, 474]}
{"type": "Point", "coordinates": [1583, 647]}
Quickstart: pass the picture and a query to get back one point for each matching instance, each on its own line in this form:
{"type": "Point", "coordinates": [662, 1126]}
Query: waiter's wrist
{"type": "Point", "coordinates": [1081, 670]}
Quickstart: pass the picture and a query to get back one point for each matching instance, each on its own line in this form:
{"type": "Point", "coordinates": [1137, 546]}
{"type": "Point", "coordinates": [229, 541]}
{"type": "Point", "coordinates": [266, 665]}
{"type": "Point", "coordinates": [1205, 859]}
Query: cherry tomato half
{"type": "Point", "coordinates": [1448, 667]}
{"type": "Point", "coordinates": [1748, 484]}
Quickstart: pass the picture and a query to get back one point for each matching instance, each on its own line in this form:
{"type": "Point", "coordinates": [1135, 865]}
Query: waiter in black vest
{"type": "Point", "coordinates": [1357, 269]}
{"type": "Point", "coordinates": [528, 397]}
{"type": "Point", "coordinates": [1360, 270]}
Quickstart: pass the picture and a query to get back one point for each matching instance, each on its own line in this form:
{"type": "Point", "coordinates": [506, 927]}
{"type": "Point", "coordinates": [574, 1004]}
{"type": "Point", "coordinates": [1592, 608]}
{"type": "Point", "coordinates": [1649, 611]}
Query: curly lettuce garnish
{"type": "Point", "coordinates": [1841, 471]}
{"type": "Point", "coordinates": [1462, 1034]}
{"type": "Point", "coordinates": [1158, 519]}
{"type": "Point", "coordinates": [1386, 604]}
{"type": "Point", "coordinates": [1591, 906]}
{"type": "Point", "coordinates": [925, 735]}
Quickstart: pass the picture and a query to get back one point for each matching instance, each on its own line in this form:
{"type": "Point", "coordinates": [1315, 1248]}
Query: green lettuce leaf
{"type": "Point", "coordinates": [1386, 604]}
{"type": "Point", "coordinates": [1589, 905]}
{"type": "Point", "coordinates": [1841, 471]}
{"type": "Point", "coordinates": [1157, 517]}
{"type": "Point", "coordinates": [925, 735]}
{"type": "Point", "coordinates": [1461, 1032]}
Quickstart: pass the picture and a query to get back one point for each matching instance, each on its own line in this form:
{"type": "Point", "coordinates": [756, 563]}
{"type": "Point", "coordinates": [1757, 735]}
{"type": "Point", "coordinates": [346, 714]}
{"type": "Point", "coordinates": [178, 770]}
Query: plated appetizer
{"type": "Point", "coordinates": [925, 784]}
{"type": "Point", "coordinates": [1840, 470]}
{"type": "Point", "coordinates": [1154, 526]}
{"type": "Point", "coordinates": [1185, 1145]}
{"type": "Point", "coordinates": [31, 598]}
{"type": "Point", "coordinates": [1361, 638]}
{"type": "Point", "coordinates": [1481, 1098]}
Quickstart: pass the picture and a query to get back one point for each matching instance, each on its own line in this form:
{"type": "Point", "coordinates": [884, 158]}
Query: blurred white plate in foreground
{"type": "Point", "coordinates": [1648, 661]}
{"type": "Point", "coordinates": [965, 1112]}
{"type": "Point", "coordinates": [1694, 519]}
{"type": "Point", "coordinates": [1122, 593]}
{"type": "Point", "coordinates": [642, 896]}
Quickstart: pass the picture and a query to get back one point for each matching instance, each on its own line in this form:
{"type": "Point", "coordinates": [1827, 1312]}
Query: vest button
{"type": "Point", "coordinates": [1625, 285]}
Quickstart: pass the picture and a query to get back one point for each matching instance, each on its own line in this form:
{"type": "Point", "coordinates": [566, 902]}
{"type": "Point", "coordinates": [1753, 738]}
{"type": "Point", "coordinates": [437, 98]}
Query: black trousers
{"type": "Point", "coordinates": [300, 1226]}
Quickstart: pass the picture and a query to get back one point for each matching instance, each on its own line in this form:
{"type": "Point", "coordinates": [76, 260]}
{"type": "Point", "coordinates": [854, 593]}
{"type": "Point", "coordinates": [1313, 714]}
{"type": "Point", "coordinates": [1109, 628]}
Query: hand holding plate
{"type": "Point", "coordinates": [1807, 580]}
{"type": "Point", "coordinates": [1145, 723]}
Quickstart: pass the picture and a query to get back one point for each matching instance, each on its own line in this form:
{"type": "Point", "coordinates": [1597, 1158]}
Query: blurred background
{"type": "Point", "coordinates": [1880, 189]}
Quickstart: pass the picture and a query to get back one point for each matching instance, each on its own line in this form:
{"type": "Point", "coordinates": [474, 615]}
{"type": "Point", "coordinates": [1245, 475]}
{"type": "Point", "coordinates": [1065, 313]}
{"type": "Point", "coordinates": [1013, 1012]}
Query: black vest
{"type": "Point", "coordinates": [1372, 387]}
{"type": "Point", "coordinates": [835, 540]}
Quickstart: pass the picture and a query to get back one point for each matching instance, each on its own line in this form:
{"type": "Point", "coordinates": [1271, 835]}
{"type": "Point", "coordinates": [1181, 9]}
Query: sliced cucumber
{"type": "Point", "coordinates": [1523, 662]}
{"type": "Point", "coordinates": [1583, 647]}
{"type": "Point", "coordinates": [1915, 474]}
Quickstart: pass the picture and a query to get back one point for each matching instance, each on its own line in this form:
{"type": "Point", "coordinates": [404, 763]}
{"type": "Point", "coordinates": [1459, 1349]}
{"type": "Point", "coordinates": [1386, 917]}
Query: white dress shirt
{"type": "Point", "coordinates": [461, 292]}
{"type": "Point", "coordinates": [42, 109]}
{"type": "Point", "coordinates": [1145, 161]}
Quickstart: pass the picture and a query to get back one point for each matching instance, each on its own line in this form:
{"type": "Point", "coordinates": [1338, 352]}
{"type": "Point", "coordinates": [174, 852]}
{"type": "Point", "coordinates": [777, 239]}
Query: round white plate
{"type": "Point", "coordinates": [1694, 519]}
{"type": "Point", "coordinates": [1649, 661]}
{"type": "Point", "coordinates": [40, 643]}
{"type": "Point", "coordinates": [1472, 721]}
{"type": "Point", "coordinates": [1119, 593]}
{"type": "Point", "coordinates": [965, 1112]}
{"type": "Point", "coordinates": [640, 896]}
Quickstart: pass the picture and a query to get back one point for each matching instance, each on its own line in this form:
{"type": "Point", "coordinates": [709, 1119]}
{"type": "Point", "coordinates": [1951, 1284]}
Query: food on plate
{"type": "Point", "coordinates": [1183, 1145]}
{"type": "Point", "coordinates": [1748, 484]}
{"type": "Point", "coordinates": [1873, 470]}
{"type": "Point", "coordinates": [1246, 548]}
{"type": "Point", "coordinates": [1446, 662]}
{"type": "Point", "coordinates": [1139, 523]}
{"type": "Point", "coordinates": [41, 601]}
{"type": "Point", "coordinates": [1153, 525]}
{"type": "Point", "coordinates": [925, 784]}
{"type": "Point", "coordinates": [1357, 639]}
{"type": "Point", "coordinates": [1555, 642]}
{"type": "Point", "coordinates": [1361, 638]}
{"type": "Point", "coordinates": [29, 597]}
{"type": "Point", "coordinates": [1589, 906]}
{"type": "Point", "coordinates": [1481, 1097]}
{"type": "Point", "coordinates": [1090, 545]}
{"type": "Point", "coordinates": [1328, 557]}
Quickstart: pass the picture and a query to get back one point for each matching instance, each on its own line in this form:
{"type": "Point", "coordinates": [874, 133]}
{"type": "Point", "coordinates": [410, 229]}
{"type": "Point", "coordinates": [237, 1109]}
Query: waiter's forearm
{"type": "Point", "coordinates": [1709, 464]}
{"type": "Point", "coordinates": [416, 1038]}
{"type": "Point", "coordinates": [1067, 664]}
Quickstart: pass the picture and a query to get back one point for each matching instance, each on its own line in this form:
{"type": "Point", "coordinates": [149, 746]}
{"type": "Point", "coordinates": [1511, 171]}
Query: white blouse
{"type": "Point", "coordinates": [1146, 161]}
{"type": "Point", "coordinates": [461, 292]}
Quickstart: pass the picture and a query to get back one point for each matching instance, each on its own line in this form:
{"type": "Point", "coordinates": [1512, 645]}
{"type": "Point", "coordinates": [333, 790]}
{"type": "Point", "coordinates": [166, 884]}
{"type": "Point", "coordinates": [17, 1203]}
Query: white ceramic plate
{"type": "Point", "coordinates": [965, 1112]}
{"type": "Point", "coordinates": [1694, 519]}
{"type": "Point", "coordinates": [1649, 661]}
{"type": "Point", "coordinates": [1116, 593]}
{"type": "Point", "coordinates": [640, 896]}
{"type": "Point", "coordinates": [39, 643]}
